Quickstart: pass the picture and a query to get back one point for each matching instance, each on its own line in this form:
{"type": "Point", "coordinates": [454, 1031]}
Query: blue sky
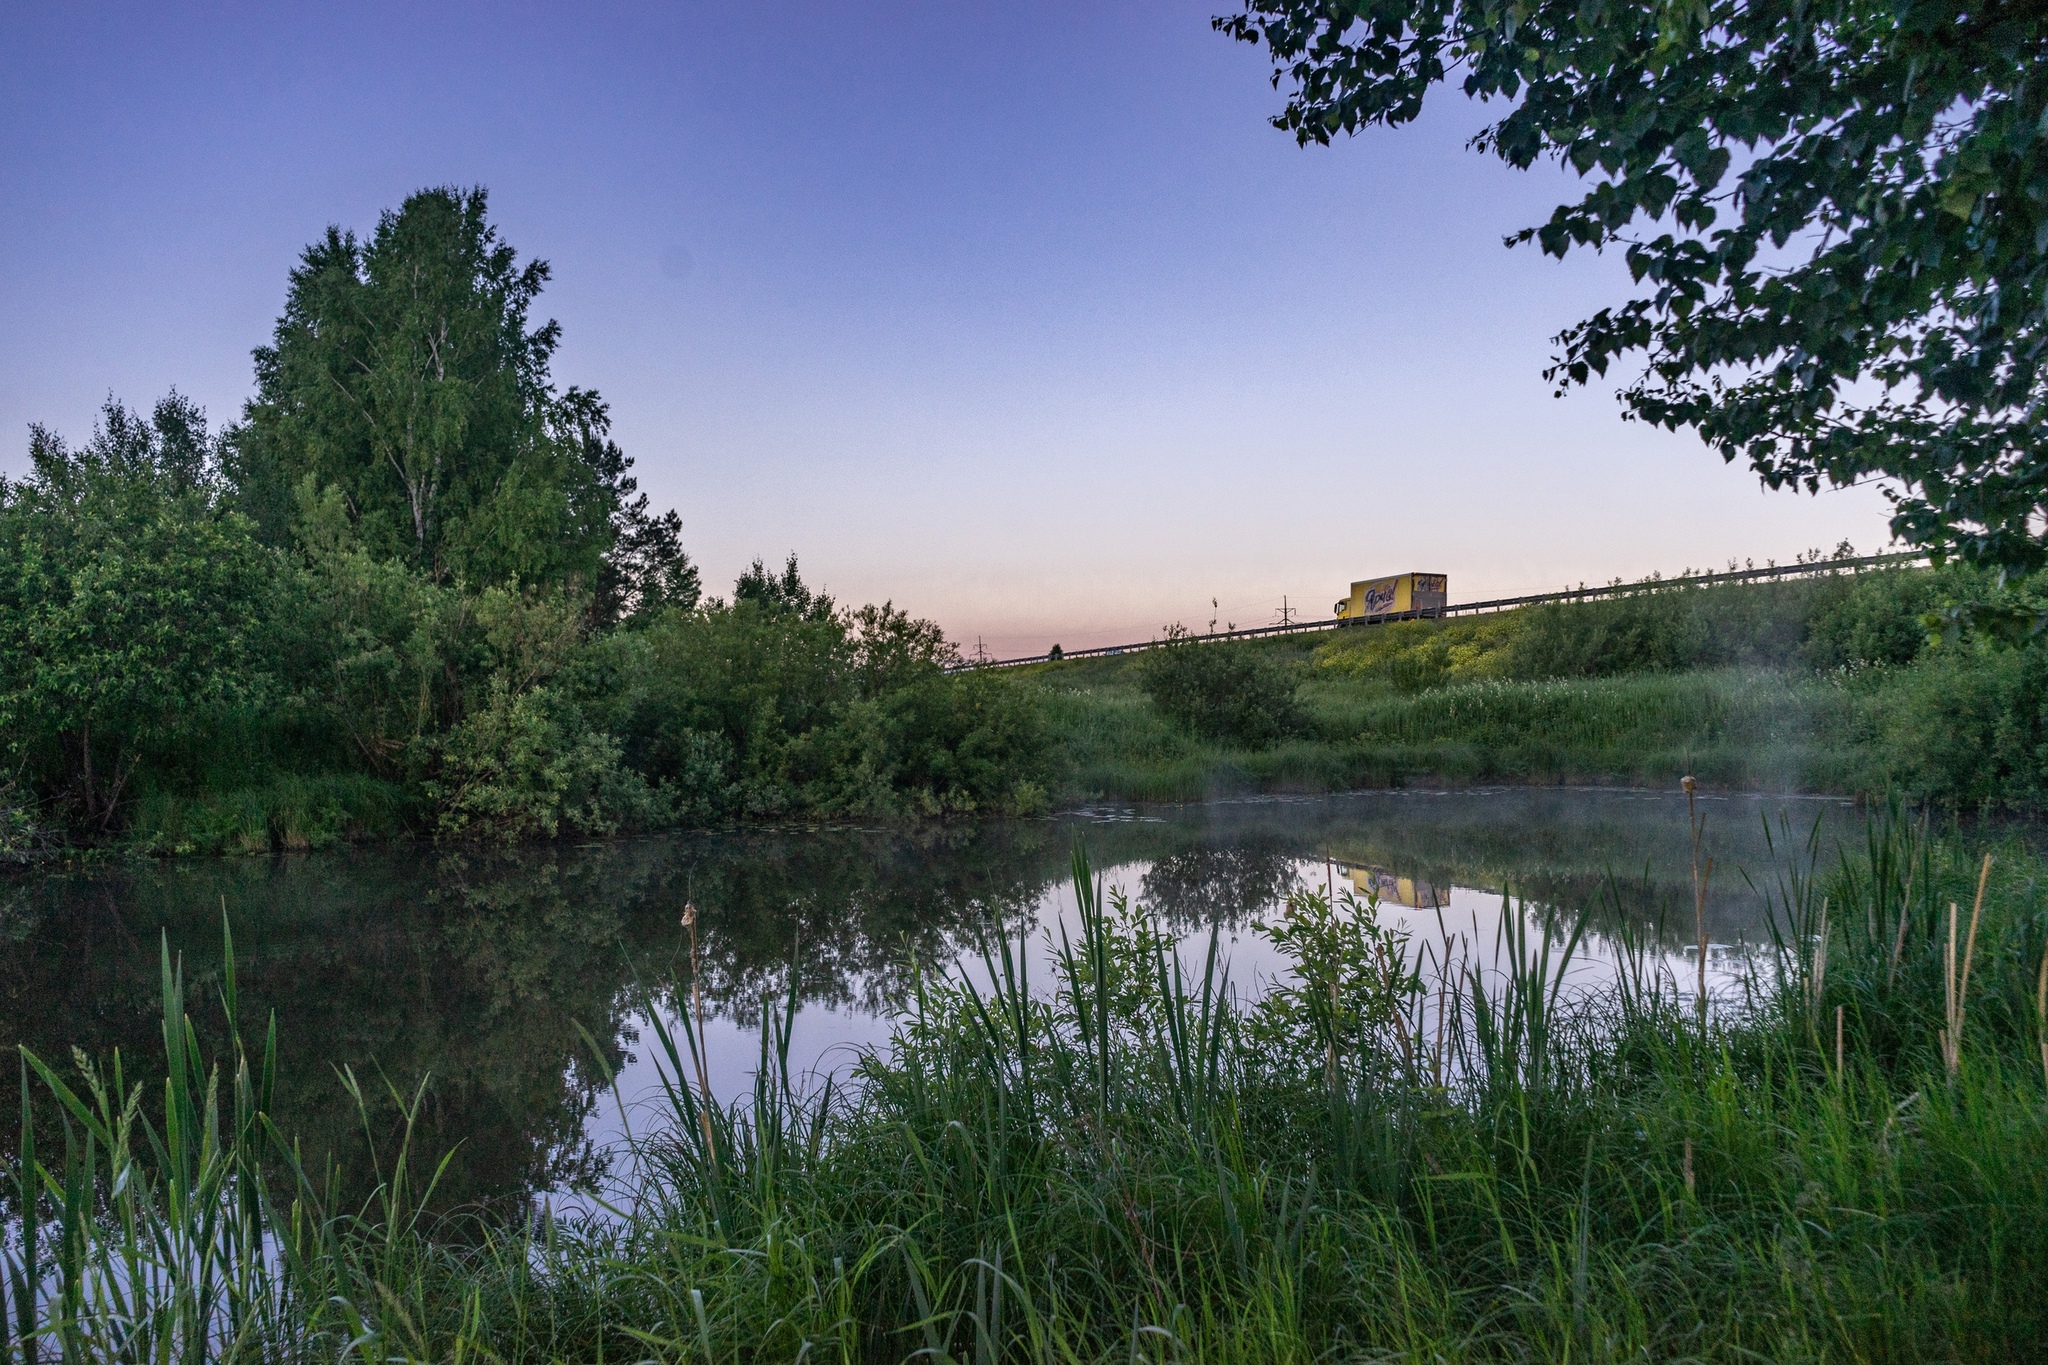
{"type": "Point", "coordinates": [1019, 315]}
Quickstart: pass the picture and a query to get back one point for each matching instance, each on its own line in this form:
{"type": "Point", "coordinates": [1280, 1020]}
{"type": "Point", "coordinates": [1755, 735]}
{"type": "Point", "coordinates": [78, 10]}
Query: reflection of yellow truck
{"type": "Point", "coordinates": [1399, 595]}
{"type": "Point", "coordinates": [1391, 889]}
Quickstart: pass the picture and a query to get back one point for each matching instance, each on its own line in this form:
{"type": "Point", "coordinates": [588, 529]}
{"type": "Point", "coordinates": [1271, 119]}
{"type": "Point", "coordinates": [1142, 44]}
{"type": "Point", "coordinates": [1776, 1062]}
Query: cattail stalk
{"type": "Point", "coordinates": [1817, 979]}
{"type": "Point", "coordinates": [1699, 888]}
{"type": "Point", "coordinates": [697, 1009]}
{"type": "Point", "coordinates": [2041, 1015]}
{"type": "Point", "coordinates": [1955, 984]}
{"type": "Point", "coordinates": [1905, 904]}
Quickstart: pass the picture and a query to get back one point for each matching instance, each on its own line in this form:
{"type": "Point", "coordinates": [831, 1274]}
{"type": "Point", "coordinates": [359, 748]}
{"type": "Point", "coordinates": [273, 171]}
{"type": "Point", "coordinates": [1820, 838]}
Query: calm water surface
{"type": "Point", "coordinates": [481, 972]}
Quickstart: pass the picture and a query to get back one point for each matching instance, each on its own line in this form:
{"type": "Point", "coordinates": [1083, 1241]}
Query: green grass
{"type": "Point", "coordinates": [1747, 728]}
{"type": "Point", "coordinates": [1742, 728]}
{"type": "Point", "coordinates": [1132, 1162]}
{"type": "Point", "coordinates": [1831, 684]}
{"type": "Point", "coordinates": [290, 811]}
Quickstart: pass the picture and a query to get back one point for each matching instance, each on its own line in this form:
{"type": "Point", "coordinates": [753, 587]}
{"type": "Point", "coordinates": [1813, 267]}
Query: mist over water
{"type": "Point", "coordinates": [482, 971]}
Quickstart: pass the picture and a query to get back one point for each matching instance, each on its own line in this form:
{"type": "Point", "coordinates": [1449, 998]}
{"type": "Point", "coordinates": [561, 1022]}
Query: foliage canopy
{"type": "Point", "coordinates": [406, 373]}
{"type": "Point", "coordinates": [131, 602]}
{"type": "Point", "coordinates": [1837, 214]}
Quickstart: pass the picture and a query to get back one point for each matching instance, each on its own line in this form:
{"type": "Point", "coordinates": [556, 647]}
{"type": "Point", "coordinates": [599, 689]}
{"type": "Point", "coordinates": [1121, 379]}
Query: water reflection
{"type": "Point", "coordinates": [485, 970]}
{"type": "Point", "coordinates": [1219, 883]}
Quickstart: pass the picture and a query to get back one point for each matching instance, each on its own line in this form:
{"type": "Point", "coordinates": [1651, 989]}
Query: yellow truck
{"type": "Point", "coordinates": [1420, 594]}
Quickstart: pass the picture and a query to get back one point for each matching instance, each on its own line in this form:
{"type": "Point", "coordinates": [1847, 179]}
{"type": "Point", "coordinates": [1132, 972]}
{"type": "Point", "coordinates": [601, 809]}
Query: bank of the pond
{"type": "Point", "coordinates": [780, 705]}
{"type": "Point", "coordinates": [1744, 730]}
{"type": "Point", "coordinates": [1840, 684]}
{"type": "Point", "coordinates": [1133, 1162]}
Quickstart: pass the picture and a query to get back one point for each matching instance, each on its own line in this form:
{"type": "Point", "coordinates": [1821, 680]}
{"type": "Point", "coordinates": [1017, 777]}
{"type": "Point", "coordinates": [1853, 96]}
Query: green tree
{"type": "Point", "coordinates": [405, 373]}
{"type": "Point", "coordinates": [1837, 214]}
{"type": "Point", "coordinates": [131, 605]}
{"type": "Point", "coordinates": [781, 593]}
{"type": "Point", "coordinates": [377, 651]}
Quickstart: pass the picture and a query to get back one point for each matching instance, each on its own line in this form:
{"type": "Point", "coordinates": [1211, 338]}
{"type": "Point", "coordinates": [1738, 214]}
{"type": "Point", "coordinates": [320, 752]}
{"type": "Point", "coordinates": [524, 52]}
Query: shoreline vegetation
{"type": "Point", "coordinates": [1395, 1152]}
{"type": "Point", "coordinates": [780, 705]}
{"type": "Point", "coordinates": [1853, 684]}
{"type": "Point", "coordinates": [413, 590]}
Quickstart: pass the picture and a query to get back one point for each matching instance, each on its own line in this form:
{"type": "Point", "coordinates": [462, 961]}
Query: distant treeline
{"type": "Point", "coordinates": [415, 588]}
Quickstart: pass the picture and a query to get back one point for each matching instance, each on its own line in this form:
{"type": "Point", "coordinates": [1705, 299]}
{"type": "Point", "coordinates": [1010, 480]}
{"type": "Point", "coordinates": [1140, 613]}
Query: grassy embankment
{"type": "Point", "coordinates": [1831, 684]}
{"type": "Point", "coordinates": [1139, 1165]}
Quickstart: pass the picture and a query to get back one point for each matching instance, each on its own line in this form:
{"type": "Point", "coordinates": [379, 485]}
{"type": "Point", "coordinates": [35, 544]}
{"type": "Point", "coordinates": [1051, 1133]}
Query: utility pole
{"type": "Point", "coordinates": [1286, 613]}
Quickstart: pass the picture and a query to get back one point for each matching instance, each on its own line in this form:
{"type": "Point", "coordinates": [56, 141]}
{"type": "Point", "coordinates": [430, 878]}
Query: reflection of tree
{"type": "Point", "coordinates": [1220, 883]}
{"type": "Point", "coordinates": [850, 908]}
{"type": "Point", "coordinates": [365, 967]}
{"type": "Point", "coordinates": [477, 967]}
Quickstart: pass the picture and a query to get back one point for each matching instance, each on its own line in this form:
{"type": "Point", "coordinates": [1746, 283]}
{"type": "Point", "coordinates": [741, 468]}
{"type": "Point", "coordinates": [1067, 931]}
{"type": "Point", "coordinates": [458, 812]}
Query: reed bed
{"type": "Point", "coordinates": [1391, 1153]}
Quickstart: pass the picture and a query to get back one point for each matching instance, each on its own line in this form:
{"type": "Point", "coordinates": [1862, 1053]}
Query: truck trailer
{"type": "Point", "coordinates": [1406, 594]}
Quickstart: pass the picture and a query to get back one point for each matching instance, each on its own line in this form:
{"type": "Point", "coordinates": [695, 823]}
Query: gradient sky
{"type": "Point", "coordinates": [1019, 315]}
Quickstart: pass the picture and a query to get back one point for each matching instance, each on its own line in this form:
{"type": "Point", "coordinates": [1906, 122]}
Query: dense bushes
{"type": "Point", "coordinates": [132, 606]}
{"type": "Point", "coordinates": [1878, 618]}
{"type": "Point", "coordinates": [416, 588]}
{"type": "Point", "coordinates": [166, 677]}
{"type": "Point", "coordinates": [778, 703]}
{"type": "Point", "coordinates": [1221, 689]}
{"type": "Point", "coordinates": [526, 763]}
{"type": "Point", "coordinates": [1970, 725]}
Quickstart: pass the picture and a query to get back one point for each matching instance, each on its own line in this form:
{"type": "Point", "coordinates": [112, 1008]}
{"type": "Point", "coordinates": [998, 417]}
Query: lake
{"type": "Point", "coordinates": [490, 973]}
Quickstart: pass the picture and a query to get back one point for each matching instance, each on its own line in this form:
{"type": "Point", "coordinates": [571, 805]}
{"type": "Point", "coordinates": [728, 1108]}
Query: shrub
{"type": "Point", "coordinates": [1223, 690]}
{"type": "Point", "coordinates": [1417, 655]}
{"type": "Point", "coordinates": [779, 701]}
{"type": "Point", "coordinates": [1670, 626]}
{"type": "Point", "coordinates": [1965, 724]}
{"type": "Point", "coordinates": [527, 763]}
{"type": "Point", "coordinates": [130, 603]}
{"type": "Point", "coordinates": [1878, 620]}
{"type": "Point", "coordinates": [943, 745]}
{"type": "Point", "coordinates": [23, 837]}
